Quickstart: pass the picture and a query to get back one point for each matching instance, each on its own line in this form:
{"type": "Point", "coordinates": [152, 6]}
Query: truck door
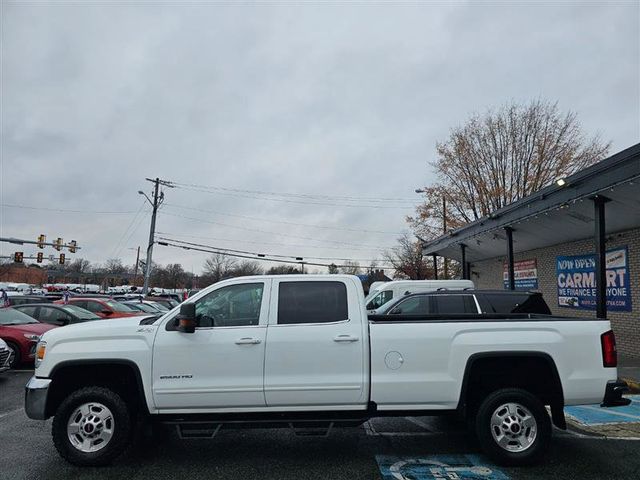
{"type": "Point", "coordinates": [317, 345]}
{"type": "Point", "coordinates": [222, 363]}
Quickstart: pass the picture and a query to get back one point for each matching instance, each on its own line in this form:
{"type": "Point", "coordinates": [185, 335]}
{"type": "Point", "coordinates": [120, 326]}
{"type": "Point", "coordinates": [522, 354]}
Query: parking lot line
{"type": "Point", "coordinates": [11, 412]}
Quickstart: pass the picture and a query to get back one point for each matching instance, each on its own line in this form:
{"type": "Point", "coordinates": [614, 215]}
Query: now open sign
{"type": "Point", "coordinates": [576, 280]}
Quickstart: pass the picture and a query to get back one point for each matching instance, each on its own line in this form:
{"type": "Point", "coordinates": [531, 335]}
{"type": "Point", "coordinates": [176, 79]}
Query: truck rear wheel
{"type": "Point", "coordinates": [513, 427]}
{"type": "Point", "coordinates": [92, 426]}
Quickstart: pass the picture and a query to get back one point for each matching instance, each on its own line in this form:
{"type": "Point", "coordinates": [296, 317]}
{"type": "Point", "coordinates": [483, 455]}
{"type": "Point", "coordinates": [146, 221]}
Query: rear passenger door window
{"type": "Point", "coordinates": [312, 302]}
{"type": "Point", "coordinates": [454, 304]}
{"type": "Point", "coordinates": [412, 306]}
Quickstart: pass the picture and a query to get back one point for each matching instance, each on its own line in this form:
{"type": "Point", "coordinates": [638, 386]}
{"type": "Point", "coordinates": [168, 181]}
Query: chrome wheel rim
{"type": "Point", "coordinates": [90, 427]}
{"type": "Point", "coordinates": [513, 427]}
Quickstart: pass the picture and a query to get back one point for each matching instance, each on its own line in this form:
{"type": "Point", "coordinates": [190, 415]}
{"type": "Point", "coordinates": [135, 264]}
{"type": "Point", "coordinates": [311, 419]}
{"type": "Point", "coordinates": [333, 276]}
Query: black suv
{"type": "Point", "coordinates": [443, 302]}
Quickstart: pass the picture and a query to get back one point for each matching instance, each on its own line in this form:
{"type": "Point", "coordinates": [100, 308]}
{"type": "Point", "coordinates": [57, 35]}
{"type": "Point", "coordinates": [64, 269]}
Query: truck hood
{"type": "Point", "coordinates": [107, 328]}
{"type": "Point", "coordinates": [122, 339]}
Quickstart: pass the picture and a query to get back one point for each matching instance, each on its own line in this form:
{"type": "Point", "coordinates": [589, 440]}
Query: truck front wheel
{"type": "Point", "coordinates": [92, 426]}
{"type": "Point", "coordinates": [513, 427]}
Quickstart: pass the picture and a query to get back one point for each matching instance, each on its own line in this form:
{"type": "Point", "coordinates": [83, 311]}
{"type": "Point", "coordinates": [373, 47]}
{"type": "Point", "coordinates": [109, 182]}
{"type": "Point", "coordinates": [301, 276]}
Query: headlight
{"type": "Point", "coordinates": [32, 337]}
{"type": "Point", "coordinates": [41, 349]}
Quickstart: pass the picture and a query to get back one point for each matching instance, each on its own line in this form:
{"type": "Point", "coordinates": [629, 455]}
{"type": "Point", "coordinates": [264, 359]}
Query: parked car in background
{"type": "Point", "coordinates": [143, 307]}
{"type": "Point", "coordinates": [21, 334]}
{"type": "Point", "coordinates": [4, 356]}
{"type": "Point", "coordinates": [177, 297]}
{"type": "Point", "coordinates": [169, 303]}
{"type": "Point", "coordinates": [102, 307]}
{"type": "Point", "coordinates": [147, 306]}
{"type": "Point", "coordinates": [58, 314]}
{"type": "Point", "coordinates": [468, 301]}
{"type": "Point", "coordinates": [22, 299]}
{"type": "Point", "coordinates": [378, 300]}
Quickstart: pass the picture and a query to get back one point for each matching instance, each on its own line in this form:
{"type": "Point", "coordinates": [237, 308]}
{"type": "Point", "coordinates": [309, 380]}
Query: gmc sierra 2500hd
{"type": "Point", "coordinates": [300, 351]}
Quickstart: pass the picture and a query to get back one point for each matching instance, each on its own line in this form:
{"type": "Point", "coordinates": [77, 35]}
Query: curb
{"type": "Point", "coordinates": [634, 385]}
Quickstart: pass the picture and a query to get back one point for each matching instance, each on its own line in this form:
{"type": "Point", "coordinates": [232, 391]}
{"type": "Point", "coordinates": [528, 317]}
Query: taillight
{"type": "Point", "coordinates": [609, 352]}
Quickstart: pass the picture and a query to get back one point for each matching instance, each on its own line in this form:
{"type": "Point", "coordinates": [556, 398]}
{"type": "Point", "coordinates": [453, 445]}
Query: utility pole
{"type": "Point", "coordinates": [158, 198]}
{"type": "Point", "coordinates": [135, 277]}
{"type": "Point", "coordinates": [445, 269]}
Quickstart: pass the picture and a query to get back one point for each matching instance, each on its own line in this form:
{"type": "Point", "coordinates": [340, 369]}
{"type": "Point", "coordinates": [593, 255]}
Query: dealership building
{"type": "Point", "coordinates": [577, 242]}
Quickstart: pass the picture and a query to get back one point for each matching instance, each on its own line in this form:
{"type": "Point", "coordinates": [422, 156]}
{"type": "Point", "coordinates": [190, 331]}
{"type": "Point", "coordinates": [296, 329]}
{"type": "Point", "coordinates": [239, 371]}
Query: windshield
{"type": "Point", "coordinates": [119, 307]}
{"type": "Point", "coordinates": [80, 312]}
{"type": "Point", "coordinates": [143, 307]}
{"type": "Point", "coordinates": [9, 316]}
{"type": "Point", "coordinates": [380, 299]}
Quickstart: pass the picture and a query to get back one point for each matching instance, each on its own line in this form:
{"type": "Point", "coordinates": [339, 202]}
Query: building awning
{"type": "Point", "coordinates": [555, 214]}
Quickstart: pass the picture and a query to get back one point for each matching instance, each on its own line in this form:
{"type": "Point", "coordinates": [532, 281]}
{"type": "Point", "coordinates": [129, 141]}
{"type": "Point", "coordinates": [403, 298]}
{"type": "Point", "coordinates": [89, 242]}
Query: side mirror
{"type": "Point", "coordinates": [62, 321]}
{"type": "Point", "coordinates": [106, 312]}
{"type": "Point", "coordinates": [187, 318]}
{"type": "Point", "coordinates": [396, 311]}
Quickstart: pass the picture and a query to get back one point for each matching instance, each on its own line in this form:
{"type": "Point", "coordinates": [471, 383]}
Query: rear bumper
{"type": "Point", "coordinates": [35, 398]}
{"type": "Point", "coordinates": [613, 394]}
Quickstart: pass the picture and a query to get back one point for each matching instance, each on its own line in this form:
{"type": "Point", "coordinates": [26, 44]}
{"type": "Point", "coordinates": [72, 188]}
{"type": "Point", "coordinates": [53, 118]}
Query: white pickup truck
{"type": "Point", "coordinates": [299, 351]}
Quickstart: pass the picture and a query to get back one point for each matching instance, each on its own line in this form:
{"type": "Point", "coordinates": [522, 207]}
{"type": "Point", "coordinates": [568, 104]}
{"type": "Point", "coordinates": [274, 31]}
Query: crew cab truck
{"type": "Point", "coordinates": [300, 351]}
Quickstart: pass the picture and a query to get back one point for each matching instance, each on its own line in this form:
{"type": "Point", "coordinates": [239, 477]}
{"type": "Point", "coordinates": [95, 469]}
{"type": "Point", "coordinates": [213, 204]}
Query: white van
{"type": "Point", "coordinates": [378, 299]}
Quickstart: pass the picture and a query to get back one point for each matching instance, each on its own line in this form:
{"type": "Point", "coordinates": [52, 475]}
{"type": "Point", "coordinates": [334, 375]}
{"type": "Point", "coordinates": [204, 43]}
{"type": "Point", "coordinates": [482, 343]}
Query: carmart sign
{"type": "Point", "coordinates": [576, 279]}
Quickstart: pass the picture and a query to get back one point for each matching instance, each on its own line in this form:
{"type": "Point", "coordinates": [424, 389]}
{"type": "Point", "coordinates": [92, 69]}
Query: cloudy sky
{"type": "Point", "coordinates": [281, 123]}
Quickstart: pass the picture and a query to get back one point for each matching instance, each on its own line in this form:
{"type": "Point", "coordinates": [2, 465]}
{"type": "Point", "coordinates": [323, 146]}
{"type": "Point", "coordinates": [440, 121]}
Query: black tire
{"type": "Point", "coordinates": [122, 430]}
{"type": "Point", "coordinates": [17, 356]}
{"type": "Point", "coordinates": [519, 455]}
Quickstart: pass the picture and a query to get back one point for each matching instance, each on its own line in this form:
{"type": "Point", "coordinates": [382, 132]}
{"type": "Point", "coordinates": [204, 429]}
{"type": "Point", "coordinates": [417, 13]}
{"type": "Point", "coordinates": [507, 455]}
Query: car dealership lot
{"type": "Point", "coordinates": [420, 445]}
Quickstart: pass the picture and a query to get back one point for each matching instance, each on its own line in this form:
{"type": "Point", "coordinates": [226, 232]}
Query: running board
{"type": "Point", "coordinates": [311, 431]}
{"type": "Point", "coordinates": [194, 431]}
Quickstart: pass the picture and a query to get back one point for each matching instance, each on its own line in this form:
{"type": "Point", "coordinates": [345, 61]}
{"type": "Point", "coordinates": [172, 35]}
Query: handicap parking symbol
{"type": "Point", "coordinates": [446, 467]}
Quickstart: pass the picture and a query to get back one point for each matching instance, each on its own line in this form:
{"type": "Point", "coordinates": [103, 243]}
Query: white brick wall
{"type": "Point", "coordinates": [488, 274]}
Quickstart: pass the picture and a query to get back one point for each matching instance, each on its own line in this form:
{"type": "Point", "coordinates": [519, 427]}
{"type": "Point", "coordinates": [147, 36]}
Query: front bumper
{"type": "Point", "coordinates": [613, 394]}
{"type": "Point", "coordinates": [35, 398]}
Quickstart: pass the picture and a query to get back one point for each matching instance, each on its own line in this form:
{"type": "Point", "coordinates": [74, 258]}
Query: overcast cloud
{"type": "Point", "coordinates": [320, 100]}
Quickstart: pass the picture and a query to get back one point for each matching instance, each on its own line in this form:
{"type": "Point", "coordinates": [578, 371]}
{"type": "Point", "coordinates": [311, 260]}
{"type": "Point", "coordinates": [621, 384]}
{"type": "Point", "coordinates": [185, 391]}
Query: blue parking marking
{"type": "Point", "coordinates": [596, 415]}
{"type": "Point", "coordinates": [450, 467]}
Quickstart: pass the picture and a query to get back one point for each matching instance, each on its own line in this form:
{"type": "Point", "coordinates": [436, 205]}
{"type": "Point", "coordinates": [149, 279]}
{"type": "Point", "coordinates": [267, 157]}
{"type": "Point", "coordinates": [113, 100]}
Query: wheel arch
{"type": "Point", "coordinates": [121, 375]}
{"type": "Point", "coordinates": [505, 371]}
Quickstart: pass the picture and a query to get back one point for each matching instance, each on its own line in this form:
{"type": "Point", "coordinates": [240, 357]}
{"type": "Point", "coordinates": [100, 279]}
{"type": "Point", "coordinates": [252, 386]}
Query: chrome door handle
{"type": "Point", "coordinates": [248, 341]}
{"type": "Point", "coordinates": [345, 338]}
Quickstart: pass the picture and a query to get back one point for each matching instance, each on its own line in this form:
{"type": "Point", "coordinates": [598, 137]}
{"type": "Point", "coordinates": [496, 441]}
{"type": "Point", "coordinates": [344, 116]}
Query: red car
{"type": "Point", "coordinates": [103, 307]}
{"type": "Point", "coordinates": [21, 333]}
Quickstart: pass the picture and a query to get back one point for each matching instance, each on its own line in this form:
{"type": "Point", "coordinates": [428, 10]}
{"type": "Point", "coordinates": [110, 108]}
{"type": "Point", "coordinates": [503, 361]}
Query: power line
{"type": "Point", "coordinates": [62, 210]}
{"type": "Point", "coordinates": [200, 220]}
{"type": "Point", "coordinates": [212, 250]}
{"type": "Point", "coordinates": [267, 254]}
{"type": "Point", "coordinates": [302, 202]}
{"type": "Point", "coordinates": [298, 195]}
{"type": "Point", "coordinates": [359, 230]}
{"type": "Point", "coordinates": [280, 244]}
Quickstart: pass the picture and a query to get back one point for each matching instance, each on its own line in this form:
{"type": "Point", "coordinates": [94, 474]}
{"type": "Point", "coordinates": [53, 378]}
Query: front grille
{"type": "Point", "coordinates": [4, 356]}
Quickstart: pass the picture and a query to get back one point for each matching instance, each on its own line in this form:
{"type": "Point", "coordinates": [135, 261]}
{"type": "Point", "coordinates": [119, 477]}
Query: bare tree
{"type": "Point", "coordinates": [283, 270]}
{"type": "Point", "coordinates": [408, 260]}
{"type": "Point", "coordinates": [333, 269]}
{"type": "Point", "coordinates": [350, 267]}
{"type": "Point", "coordinates": [246, 268]}
{"type": "Point", "coordinates": [217, 267]}
{"type": "Point", "coordinates": [499, 157]}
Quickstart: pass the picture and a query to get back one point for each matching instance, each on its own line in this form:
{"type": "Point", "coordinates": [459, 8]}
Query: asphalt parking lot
{"type": "Point", "coordinates": [410, 448]}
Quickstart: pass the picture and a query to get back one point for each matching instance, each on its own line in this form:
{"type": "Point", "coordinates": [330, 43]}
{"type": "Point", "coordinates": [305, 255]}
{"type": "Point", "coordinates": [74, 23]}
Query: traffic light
{"type": "Point", "coordinates": [39, 257]}
{"type": "Point", "coordinates": [58, 244]}
{"type": "Point", "coordinates": [17, 257]}
{"type": "Point", "coordinates": [41, 239]}
{"type": "Point", "coordinates": [62, 259]}
{"type": "Point", "coordinates": [72, 246]}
